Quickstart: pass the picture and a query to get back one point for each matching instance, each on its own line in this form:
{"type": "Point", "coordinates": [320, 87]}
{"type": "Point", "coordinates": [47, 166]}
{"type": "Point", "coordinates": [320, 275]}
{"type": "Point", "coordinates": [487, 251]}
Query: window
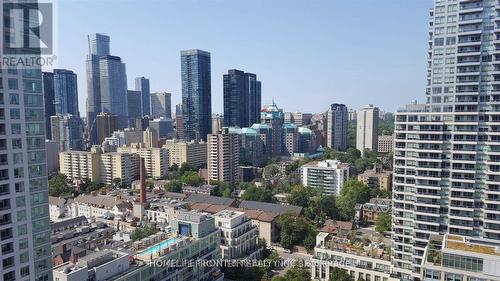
{"type": "Point", "coordinates": [18, 173]}
{"type": "Point", "coordinates": [20, 201]}
{"type": "Point", "coordinates": [13, 98]}
{"type": "Point", "coordinates": [22, 230]}
{"type": "Point", "coordinates": [12, 84]}
{"type": "Point", "coordinates": [19, 187]}
{"type": "Point", "coordinates": [15, 114]}
{"type": "Point", "coordinates": [438, 41]}
{"type": "Point", "coordinates": [21, 215]}
{"type": "Point", "coordinates": [18, 158]}
{"type": "Point", "coordinates": [15, 129]}
{"type": "Point", "coordinates": [17, 144]}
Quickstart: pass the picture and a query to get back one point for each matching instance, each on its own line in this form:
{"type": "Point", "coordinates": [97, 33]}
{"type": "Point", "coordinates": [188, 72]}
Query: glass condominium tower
{"type": "Point", "coordinates": [24, 211]}
{"type": "Point", "coordinates": [447, 151]}
{"type": "Point", "coordinates": [196, 94]}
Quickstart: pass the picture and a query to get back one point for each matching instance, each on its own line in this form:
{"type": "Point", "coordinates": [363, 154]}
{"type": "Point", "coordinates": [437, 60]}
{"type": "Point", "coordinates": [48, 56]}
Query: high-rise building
{"type": "Point", "coordinates": [178, 109]}
{"type": "Point", "coordinates": [192, 153]}
{"type": "Point", "coordinates": [251, 146]}
{"type": "Point", "coordinates": [98, 46]}
{"type": "Point", "coordinates": [114, 88]}
{"type": "Point", "coordinates": [242, 99]}
{"type": "Point", "coordinates": [162, 126]}
{"type": "Point", "coordinates": [24, 211]}
{"type": "Point", "coordinates": [217, 123]}
{"type": "Point", "coordinates": [105, 125]}
{"type": "Point", "coordinates": [67, 131]}
{"type": "Point", "coordinates": [134, 105]}
{"type": "Point", "coordinates": [223, 156]}
{"type": "Point", "coordinates": [289, 139]}
{"type": "Point", "coordinates": [367, 128]}
{"type": "Point", "coordinates": [328, 176]}
{"type": "Point", "coordinates": [49, 100]}
{"type": "Point", "coordinates": [337, 127]}
{"type": "Point", "coordinates": [66, 92]}
{"type": "Point", "coordinates": [155, 159]}
{"type": "Point", "coordinates": [142, 85]}
{"type": "Point", "coordinates": [196, 94]}
{"type": "Point", "coordinates": [273, 117]}
{"type": "Point", "coordinates": [161, 105]}
{"type": "Point", "coordinates": [446, 178]}
{"type": "Point", "coordinates": [150, 138]}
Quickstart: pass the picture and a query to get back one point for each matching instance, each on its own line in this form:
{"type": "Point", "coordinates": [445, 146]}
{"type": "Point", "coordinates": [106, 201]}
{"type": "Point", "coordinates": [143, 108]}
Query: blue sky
{"type": "Point", "coordinates": [307, 54]}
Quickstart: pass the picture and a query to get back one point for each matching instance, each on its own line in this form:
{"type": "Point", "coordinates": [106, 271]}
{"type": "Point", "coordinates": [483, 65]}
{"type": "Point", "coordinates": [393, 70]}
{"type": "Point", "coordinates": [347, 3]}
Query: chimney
{"type": "Point", "coordinates": [142, 180]}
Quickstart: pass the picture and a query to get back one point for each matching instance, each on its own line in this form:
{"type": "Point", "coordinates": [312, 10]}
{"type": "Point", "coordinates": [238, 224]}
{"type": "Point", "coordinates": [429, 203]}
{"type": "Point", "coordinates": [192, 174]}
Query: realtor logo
{"type": "Point", "coordinates": [28, 28]}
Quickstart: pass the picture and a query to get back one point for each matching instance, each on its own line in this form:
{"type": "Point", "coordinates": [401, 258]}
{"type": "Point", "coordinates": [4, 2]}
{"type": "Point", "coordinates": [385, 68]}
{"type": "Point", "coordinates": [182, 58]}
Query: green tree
{"type": "Point", "coordinates": [298, 273]}
{"type": "Point", "coordinates": [173, 168]}
{"type": "Point", "coordinates": [192, 178]}
{"type": "Point", "coordinates": [354, 192]}
{"type": "Point", "coordinates": [174, 186]}
{"type": "Point", "coordinates": [383, 223]}
{"type": "Point", "coordinates": [143, 232]}
{"type": "Point", "coordinates": [185, 168]}
{"type": "Point", "coordinates": [295, 230]}
{"type": "Point", "coordinates": [116, 182]}
{"type": "Point", "coordinates": [270, 171]}
{"type": "Point", "coordinates": [58, 186]}
{"type": "Point", "coordinates": [254, 193]}
{"type": "Point", "coordinates": [299, 196]}
{"type": "Point", "coordinates": [340, 274]}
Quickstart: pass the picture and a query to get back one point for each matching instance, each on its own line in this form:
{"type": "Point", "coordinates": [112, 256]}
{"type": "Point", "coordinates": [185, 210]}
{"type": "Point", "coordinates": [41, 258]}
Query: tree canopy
{"type": "Point", "coordinates": [296, 230]}
{"type": "Point", "coordinates": [174, 186]}
{"type": "Point", "coordinates": [192, 178]}
{"type": "Point", "coordinates": [254, 193]}
{"type": "Point", "coordinates": [383, 223]}
{"type": "Point", "coordinates": [354, 192]}
{"type": "Point", "coordinates": [58, 186]}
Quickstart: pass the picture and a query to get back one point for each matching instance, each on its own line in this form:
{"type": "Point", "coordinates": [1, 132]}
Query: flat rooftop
{"type": "Point", "coordinates": [478, 246]}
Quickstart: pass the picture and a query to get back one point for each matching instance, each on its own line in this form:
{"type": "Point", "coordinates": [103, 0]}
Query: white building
{"type": "Point", "coordinates": [57, 208]}
{"type": "Point", "coordinates": [385, 144]}
{"type": "Point", "coordinates": [450, 257]}
{"type": "Point", "coordinates": [92, 206]}
{"type": "Point", "coordinates": [446, 152]}
{"type": "Point", "coordinates": [239, 238]}
{"type": "Point", "coordinates": [367, 128]}
{"type": "Point", "coordinates": [370, 263]}
{"type": "Point", "coordinates": [329, 175]}
{"type": "Point", "coordinates": [97, 266]}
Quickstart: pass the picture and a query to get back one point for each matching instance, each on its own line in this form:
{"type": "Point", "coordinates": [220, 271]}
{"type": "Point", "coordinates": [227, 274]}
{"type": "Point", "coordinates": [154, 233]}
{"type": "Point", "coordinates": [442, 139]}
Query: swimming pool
{"type": "Point", "coordinates": [160, 246]}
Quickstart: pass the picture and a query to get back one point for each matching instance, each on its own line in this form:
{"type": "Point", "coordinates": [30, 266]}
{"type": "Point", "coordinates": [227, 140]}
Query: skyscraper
{"type": "Point", "coordinates": [446, 162]}
{"type": "Point", "coordinates": [98, 46]}
{"type": "Point", "coordinates": [114, 88]}
{"type": "Point", "coordinates": [367, 128]}
{"type": "Point", "coordinates": [49, 100]}
{"type": "Point", "coordinates": [66, 92]}
{"type": "Point", "coordinates": [242, 98]}
{"type": "Point", "coordinates": [105, 124]}
{"type": "Point", "coordinates": [196, 94]}
{"type": "Point", "coordinates": [142, 85]}
{"type": "Point", "coordinates": [24, 211]}
{"type": "Point", "coordinates": [134, 104]}
{"type": "Point", "coordinates": [67, 131]}
{"type": "Point", "coordinates": [161, 105]}
{"type": "Point", "coordinates": [337, 127]}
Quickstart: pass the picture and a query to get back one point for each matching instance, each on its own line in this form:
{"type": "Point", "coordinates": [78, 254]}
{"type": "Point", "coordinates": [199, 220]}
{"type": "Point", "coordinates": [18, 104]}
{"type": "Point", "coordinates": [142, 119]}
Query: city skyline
{"type": "Point", "coordinates": [335, 77]}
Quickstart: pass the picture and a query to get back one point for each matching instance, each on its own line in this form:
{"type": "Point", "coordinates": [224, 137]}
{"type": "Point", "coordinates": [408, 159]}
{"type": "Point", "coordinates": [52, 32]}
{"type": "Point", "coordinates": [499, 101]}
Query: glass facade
{"type": "Point", "coordinates": [196, 94]}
